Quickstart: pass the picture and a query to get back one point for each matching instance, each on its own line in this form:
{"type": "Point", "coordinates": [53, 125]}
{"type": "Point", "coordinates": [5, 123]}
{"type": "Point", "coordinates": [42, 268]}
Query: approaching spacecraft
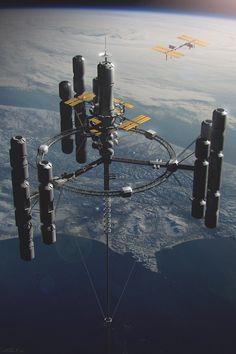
{"type": "Point", "coordinates": [172, 51]}
{"type": "Point", "coordinates": [96, 118]}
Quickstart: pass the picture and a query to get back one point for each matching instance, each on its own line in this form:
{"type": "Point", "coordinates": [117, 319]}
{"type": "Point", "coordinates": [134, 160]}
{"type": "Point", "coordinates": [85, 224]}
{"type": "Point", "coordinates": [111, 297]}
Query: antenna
{"type": "Point", "coordinates": [105, 54]}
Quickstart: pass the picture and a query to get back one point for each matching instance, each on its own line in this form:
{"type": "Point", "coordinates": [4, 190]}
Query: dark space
{"type": "Point", "coordinates": [47, 305]}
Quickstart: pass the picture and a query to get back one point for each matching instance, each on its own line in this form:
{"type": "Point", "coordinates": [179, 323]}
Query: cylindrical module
{"type": "Point", "coordinates": [201, 165]}
{"type": "Point", "coordinates": [105, 88]}
{"type": "Point", "coordinates": [26, 242]}
{"type": "Point", "coordinates": [46, 202]}
{"type": "Point", "coordinates": [215, 167]}
{"type": "Point", "coordinates": [95, 89]}
{"type": "Point", "coordinates": [80, 112]}
{"type": "Point", "coordinates": [78, 70]}
{"type": "Point", "coordinates": [65, 93]}
{"type": "Point", "coordinates": [21, 196]}
{"type": "Point", "coordinates": [206, 129]}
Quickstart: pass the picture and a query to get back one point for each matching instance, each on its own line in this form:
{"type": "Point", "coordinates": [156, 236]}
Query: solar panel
{"type": "Point", "coordinates": [95, 120]}
{"type": "Point", "coordinates": [161, 49]}
{"type": "Point", "coordinates": [193, 40]}
{"type": "Point", "coordinates": [126, 104]}
{"type": "Point", "coordinates": [86, 96]}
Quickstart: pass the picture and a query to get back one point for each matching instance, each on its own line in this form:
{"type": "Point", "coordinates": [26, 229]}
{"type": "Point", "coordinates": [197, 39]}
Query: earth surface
{"type": "Point", "coordinates": [180, 288]}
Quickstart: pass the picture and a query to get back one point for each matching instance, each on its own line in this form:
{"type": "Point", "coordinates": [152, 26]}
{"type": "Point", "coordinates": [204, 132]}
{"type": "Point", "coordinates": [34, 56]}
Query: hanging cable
{"type": "Point", "coordinates": [185, 158]}
{"type": "Point", "coordinates": [91, 282]}
{"type": "Point", "coordinates": [124, 289]}
{"type": "Point", "coordinates": [181, 185]}
{"type": "Point", "coordinates": [185, 149]}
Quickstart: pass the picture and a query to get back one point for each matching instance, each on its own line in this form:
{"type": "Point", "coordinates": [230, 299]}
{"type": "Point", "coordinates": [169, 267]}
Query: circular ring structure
{"type": "Point", "coordinates": [114, 193]}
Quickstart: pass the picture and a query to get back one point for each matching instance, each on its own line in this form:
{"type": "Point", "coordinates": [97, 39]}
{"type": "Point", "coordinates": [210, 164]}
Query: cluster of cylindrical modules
{"type": "Point", "coordinates": [208, 169]}
{"type": "Point", "coordinates": [21, 196]}
{"type": "Point", "coordinates": [103, 105]}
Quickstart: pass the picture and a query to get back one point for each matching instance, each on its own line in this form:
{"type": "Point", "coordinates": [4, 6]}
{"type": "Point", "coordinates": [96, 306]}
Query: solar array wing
{"type": "Point", "coordinates": [141, 119]}
{"type": "Point", "coordinates": [169, 52]}
{"type": "Point", "coordinates": [200, 43]}
{"type": "Point", "coordinates": [86, 96]}
{"type": "Point", "coordinates": [174, 54]}
{"type": "Point", "coordinates": [95, 120]}
{"type": "Point", "coordinates": [193, 40]}
{"type": "Point", "coordinates": [126, 104]}
{"type": "Point", "coordinates": [161, 49]}
{"type": "Point", "coordinates": [95, 132]}
{"type": "Point", "coordinates": [129, 124]}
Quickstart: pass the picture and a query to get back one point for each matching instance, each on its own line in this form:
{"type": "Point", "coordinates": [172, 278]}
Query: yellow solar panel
{"type": "Point", "coordinates": [73, 101]}
{"type": "Point", "coordinates": [95, 132]}
{"type": "Point", "coordinates": [161, 49]}
{"type": "Point", "coordinates": [130, 126]}
{"type": "Point", "coordinates": [193, 40]}
{"type": "Point", "coordinates": [185, 38]}
{"type": "Point", "coordinates": [87, 96]}
{"type": "Point", "coordinates": [141, 119]}
{"type": "Point", "coordinates": [95, 120]}
{"type": "Point", "coordinates": [128, 105]}
{"type": "Point", "coordinates": [174, 54]}
{"type": "Point", "coordinates": [125, 124]}
{"type": "Point", "coordinates": [200, 43]}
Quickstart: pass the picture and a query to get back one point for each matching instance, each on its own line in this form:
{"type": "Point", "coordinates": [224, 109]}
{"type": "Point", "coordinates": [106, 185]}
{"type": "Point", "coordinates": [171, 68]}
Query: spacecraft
{"type": "Point", "coordinates": [172, 51]}
{"type": "Point", "coordinates": [96, 118]}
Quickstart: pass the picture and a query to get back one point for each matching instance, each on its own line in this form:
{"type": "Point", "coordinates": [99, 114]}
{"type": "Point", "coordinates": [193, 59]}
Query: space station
{"type": "Point", "coordinates": [95, 119]}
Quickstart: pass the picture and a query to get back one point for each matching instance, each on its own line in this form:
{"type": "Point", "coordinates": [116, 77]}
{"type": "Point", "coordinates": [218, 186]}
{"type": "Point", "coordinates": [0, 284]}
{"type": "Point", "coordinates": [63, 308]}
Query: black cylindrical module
{"type": "Point", "coordinates": [18, 149]}
{"type": "Point", "coordinates": [202, 148]}
{"type": "Point", "coordinates": [218, 127]}
{"type": "Point", "coordinates": [219, 118]}
{"type": "Point", "coordinates": [18, 159]}
{"type": "Point", "coordinates": [198, 208]}
{"type": "Point", "coordinates": [95, 90]}
{"type": "Point", "coordinates": [22, 216]}
{"type": "Point", "coordinates": [212, 209]}
{"type": "Point", "coordinates": [65, 90]}
{"type": "Point", "coordinates": [48, 233]}
{"type": "Point", "coordinates": [105, 88]}
{"type": "Point", "coordinates": [45, 174]}
{"type": "Point", "coordinates": [20, 173]}
{"type": "Point", "coordinates": [66, 124]}
{"type": "Point", "coordinates": [95, 86]}
{"type": "Point", "coordinates": [215, 167]}
{"type": "Point", "coordinates": [67, 145]}
{"type": "Point", "coordinates": [215, 171]}
{"type": "Point", "coordinates": [78, 70]}
{"type": "Point", "coordinates": [46, 204]}
{"type": "Point", "coordinates": [200, 179]}
{"type": "Point", "coordinates": [66, 117]}
{"type": "Point", "coordinates": [78, 65]}
{"type": "Point", "coordinates": [26, 242]}
{"type": "Point", "coordinates": [21, 195]}
{"type": "Point", "coordinates": [206, 129]}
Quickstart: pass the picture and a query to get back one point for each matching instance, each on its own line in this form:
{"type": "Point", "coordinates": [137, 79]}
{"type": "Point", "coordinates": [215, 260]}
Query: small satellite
{"type": "Point", "coordinates": [172, 51]}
